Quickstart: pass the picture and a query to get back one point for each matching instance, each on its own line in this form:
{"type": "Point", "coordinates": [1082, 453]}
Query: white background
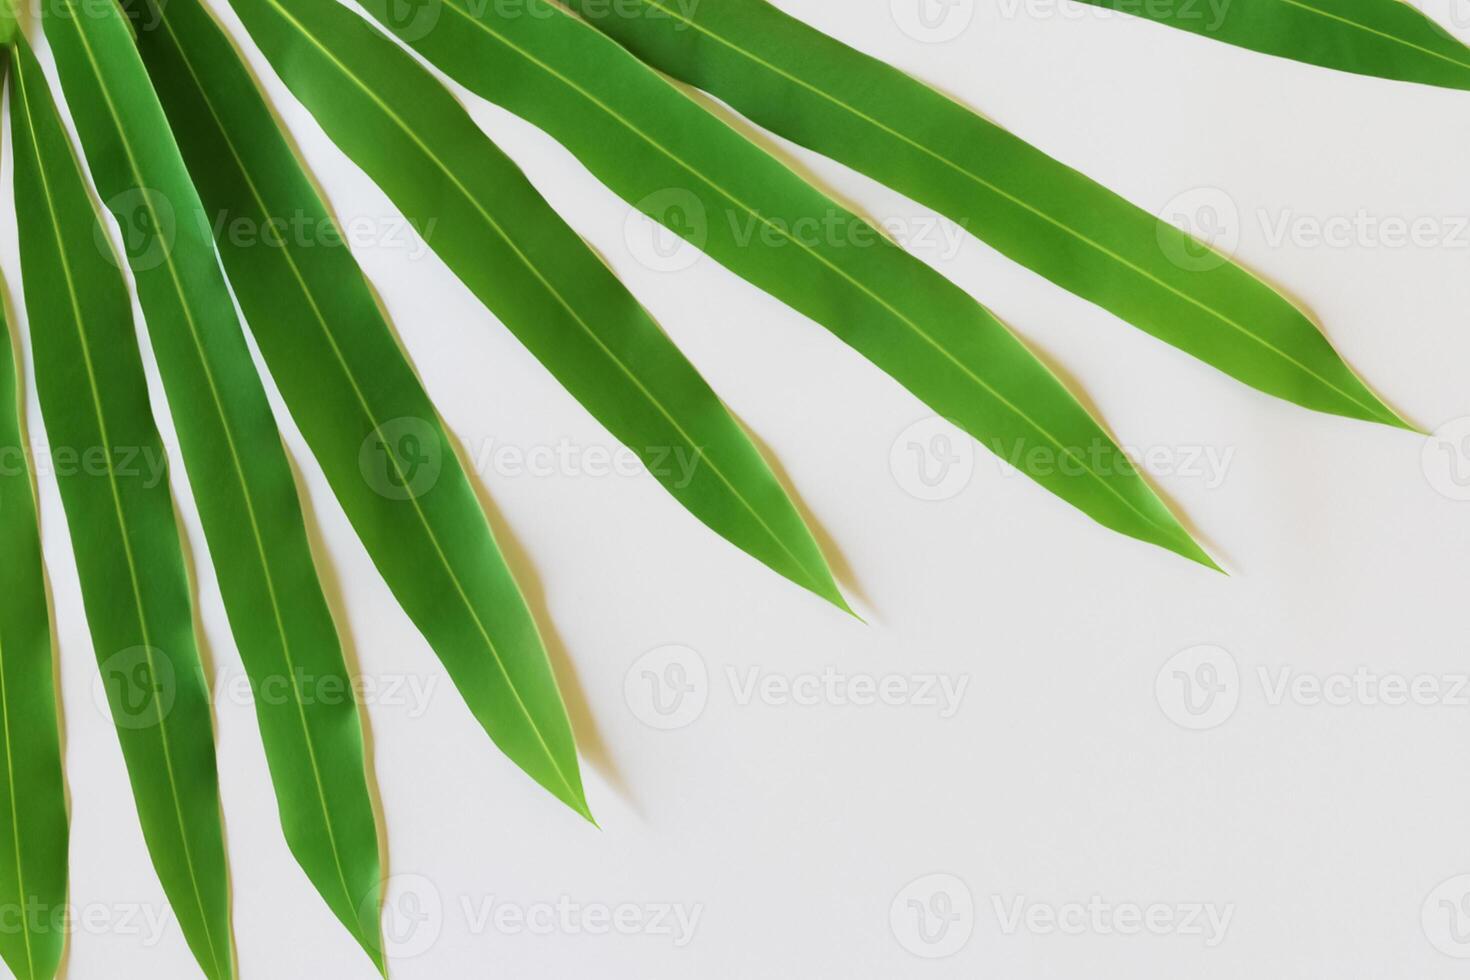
{"type": "Point", "coordinates": [1068, 773]}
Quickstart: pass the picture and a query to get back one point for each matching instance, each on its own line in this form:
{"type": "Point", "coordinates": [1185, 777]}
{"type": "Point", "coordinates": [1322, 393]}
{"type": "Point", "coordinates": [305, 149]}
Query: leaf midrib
{"type": "Point", "coordinates": [1020, 202]}
{"type": "Point", "coordinates": [285, 648]}
{"type": "Point", "coordinates": [814, 580]}
{"type": "Point", "coordinates": [801, 246]}
{"type": "Point", "coordinates": [116, 497]}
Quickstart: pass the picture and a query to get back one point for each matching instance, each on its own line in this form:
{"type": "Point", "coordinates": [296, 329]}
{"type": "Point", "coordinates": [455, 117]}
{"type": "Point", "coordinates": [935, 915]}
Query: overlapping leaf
{"type": "Point", "coordinates": [355, 397]}
{"type": "Point", "coordinates": [659, 149]}
{"type": "Point", "coordinates": [135, 589]}
{"type": "Point", "coordinates": [824, 95]}
{"type": "Point", "coordinates": [491, 226]}
{"type": "Point", "coordinates": [1383, 38]}
{"type": "Point", "coordinates": [244, 489]}
{"type": "Point", "coordinates": [33, 820]}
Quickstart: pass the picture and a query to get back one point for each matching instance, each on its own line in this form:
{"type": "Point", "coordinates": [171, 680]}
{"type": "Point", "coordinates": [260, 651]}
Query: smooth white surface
{"type": "Point", "coordinates": [1068, 773]}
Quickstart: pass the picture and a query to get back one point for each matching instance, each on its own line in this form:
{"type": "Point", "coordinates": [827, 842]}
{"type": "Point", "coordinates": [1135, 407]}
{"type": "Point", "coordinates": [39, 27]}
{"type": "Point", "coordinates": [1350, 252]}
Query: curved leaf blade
{"type": "Point", "coordinates": [251, 514]}
{"type": "Point", "coordinates": [1382, 38]}
{"type": "Point", "coordinates": [313, 745]}
{"type": "Point", "coordinates": [356, 398]}
{"type": "Point", "coordinates": [33, 843]}
{"type": "Point", "coordinates": [554, 293]}
{"type": "Point", "coordinates": [647, 140]}
{"type": "Point", "coordinates": [818, 92]}
{"type": "Point", "coordinates": [121, 519]}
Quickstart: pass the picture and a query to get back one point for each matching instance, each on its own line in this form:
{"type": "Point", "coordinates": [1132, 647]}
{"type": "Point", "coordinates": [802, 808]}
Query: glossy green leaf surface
{"type": "Point", "coordinates": [356, 399]}
{"type": "Point", "coordinates": [33, 819]}
{"type": "Point", "coordinates": [516, 254]}
{"type": "Point", "coordinates": [94, 402]}
{"type": "Point", "coordinates": [820, 93]}
{"type": "Point", "coordinates": [313, 744]}
{"type": "Point", "coordinates": [1382, 38]}
{"type": "Point", "coordinates": [660, 150]}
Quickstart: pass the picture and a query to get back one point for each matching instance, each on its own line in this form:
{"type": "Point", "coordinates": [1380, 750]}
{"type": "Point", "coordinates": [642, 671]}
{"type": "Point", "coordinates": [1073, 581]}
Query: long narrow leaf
{"type": "Point", "coordinates": [33, 843]}
{"type": "Point", "coordinates": [472, 607]}
{"type": "Point", "coordinates": [497, 233]}
{"type": "Point", "coordinates": [350, 388]}
{"type": "Point", "coordinates": [816, 91]}
{"type": "Point", "coordinates": [1382, 38]}
{"type": "Point", "coordinates": [243, 486]}
{"type": "Point", "coordinates": [95, 405]}
{"type": "Point", "coordinates": [653, 145]}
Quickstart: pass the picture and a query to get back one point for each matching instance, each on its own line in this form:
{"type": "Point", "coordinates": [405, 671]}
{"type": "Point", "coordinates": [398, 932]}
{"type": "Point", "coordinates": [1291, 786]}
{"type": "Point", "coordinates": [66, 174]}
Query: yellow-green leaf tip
{"type": "Point", "coordinates": [8, 25]}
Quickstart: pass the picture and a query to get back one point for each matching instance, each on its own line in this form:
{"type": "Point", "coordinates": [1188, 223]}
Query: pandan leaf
{"type": "Point", "coordinates": [1382, 38]}
{"type": "Point", "coordinates": [243, 486]}
{"type": "Point", "coordinates": [356, 398]}
{"type": "Point", "coordinates": [33, 842]}
{"type": "Point", "coordinates": [657, 148]}
{"type": "Point", "coordinates": [515, 253]}
{"type": "Point", "coordinates": [94, 402]}
{"type": "Point", "coordinates": [820, 93]}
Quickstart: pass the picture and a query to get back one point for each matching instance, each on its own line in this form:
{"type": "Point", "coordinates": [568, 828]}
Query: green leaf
{"type": "Point", "coordinates": [554, 293]}
{"type": "Point", "coordinates": [243, 486]}
{"type": "Point", "coordinates": [356, 399]}
{"type": "Point", "coordinates": [33, 843]}
{"type": "Point", "coordinates": [309, 722]}
{"type": "Point", "coordinates": [657, 148]}
{"type": "Point", "coordinates": [824, 95]}
{"type": "Point", "coordinates": [1382, 38]}
{"type": "Point", "coordinates": [94, 401]}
